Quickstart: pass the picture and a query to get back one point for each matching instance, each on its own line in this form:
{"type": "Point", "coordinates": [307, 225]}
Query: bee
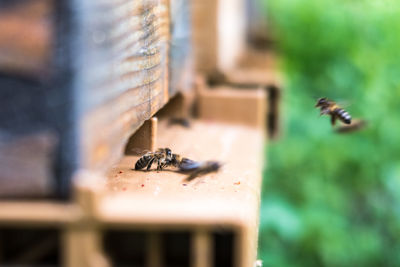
{"type": "Point", "coordinates": [329, 107]}
{"type": "Point", "coordinates": [179, 121]}
{"type": "Point", "coordinates": [196, 169]}
{"type": "Point", "coordinates": [162, 156]}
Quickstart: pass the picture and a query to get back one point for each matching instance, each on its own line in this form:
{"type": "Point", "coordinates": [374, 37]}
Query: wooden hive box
{"type": "Point", "coordinates": [106, 74]}
{"type": "Point", "coordinates": [77, 78]}
{"type": "Point", "coordinates": [218, 34]}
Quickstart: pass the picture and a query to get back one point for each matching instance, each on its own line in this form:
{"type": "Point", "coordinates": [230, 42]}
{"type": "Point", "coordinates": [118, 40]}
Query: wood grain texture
{"type": "Point", "coordinates": [138, 81]}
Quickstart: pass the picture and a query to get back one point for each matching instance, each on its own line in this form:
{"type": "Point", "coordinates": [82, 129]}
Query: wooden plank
{"type": "Point", "coordinates": [205, 34]}
{"type": "Point", "coordinates": [82, 248]}
{"type": "Point", "coordinates": [181, 63]}
{"type": "Point", "coordinates": [144, 139]}
{"type": "Point", "coordinates": [25, 163]}
{"type": "Point", "coordinates": [218, 34]}
{"type": "Point", "coordinates": [138, 87]}
{"type": "Point", "coordinates": [154, 250]}
{"type": "Point", "coordinates": [26, 37]}
{"type": "Point", "coordinates": [229, 198]}
{"type": "Point", "coordinates": [202, 252]}
{"type": "Point", "coordinates": [230, 105]}
{"type": "Point", "coordinates": [41, 213]}
{"type": "Point", "coordinates": [231, 33]}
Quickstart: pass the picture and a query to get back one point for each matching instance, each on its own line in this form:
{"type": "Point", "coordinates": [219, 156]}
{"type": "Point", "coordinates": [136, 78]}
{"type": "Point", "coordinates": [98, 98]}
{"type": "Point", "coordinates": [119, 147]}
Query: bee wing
{"type": "Point", "coordinates": [343, 103]}
{"type": "Point", "coordinates": [189, 165]}
{"type": "Point", "coordinates": [139, 151]}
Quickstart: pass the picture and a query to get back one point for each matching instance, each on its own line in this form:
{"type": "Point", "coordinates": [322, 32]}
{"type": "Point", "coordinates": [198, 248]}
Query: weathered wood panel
{"type": "Point", "coordinates": [137, 80]}
{"type": "Point", "coordinates": [26, 37]}
{"type": "Point", "coordinates": [181, 57]}
{"type": "Point", "coordinates": [36, 93]}
{"type": "Point", "coordinates": [97, 70]}
{"type": "Point", "coordinates": [218, 33]}
{"type": "Point", "coordinates": [231, 105]}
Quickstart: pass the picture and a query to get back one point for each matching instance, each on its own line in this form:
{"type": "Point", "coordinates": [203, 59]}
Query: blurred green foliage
{"type": "Point", "coordinates": [334, 199]}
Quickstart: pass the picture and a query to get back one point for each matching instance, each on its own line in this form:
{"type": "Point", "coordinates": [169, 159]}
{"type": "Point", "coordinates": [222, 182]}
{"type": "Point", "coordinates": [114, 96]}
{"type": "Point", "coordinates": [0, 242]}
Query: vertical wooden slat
{"type": "Point", "coordinates": [145, 139]}
{"type": "Point", "coordinates": [154, 250]}
{"type": "Point", "coordinates": [202, 254]}
{"type": "Point", "coordinates": [82, 248]}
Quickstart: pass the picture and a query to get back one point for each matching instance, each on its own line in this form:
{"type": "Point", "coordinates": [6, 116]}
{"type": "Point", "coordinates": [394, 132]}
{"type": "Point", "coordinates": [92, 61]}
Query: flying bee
{"type": "Point", "coordinates": [196, 169]}
{"type": "Point", "coordinates": [329, 107]}
{"type": "Point", "coordinates": [184, 122]}
{"type": "Point", "coordinates": [162, 156]}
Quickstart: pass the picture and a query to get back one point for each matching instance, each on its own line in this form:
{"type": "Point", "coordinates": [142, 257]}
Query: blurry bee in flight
{"type": "Point", "coordinates": [162, 156]}
{"type": "Point", "coordinates": [196, 169]}
{"type": "Point", "coordinates": [185, 122]}
{"type": "Point", "coordinates": [329, 107]}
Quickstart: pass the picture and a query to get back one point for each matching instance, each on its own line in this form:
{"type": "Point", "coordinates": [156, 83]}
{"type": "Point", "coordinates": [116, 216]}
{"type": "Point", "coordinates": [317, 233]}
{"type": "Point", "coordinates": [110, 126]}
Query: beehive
{"type": "Point", "coordinates": [85, 95]}
{"type": "Point", "coordinates": [91, 65]}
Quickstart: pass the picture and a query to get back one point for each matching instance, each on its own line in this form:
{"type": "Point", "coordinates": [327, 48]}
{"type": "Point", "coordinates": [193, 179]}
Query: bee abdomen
{"type": "Point", "coordinates": [142, 162]}
{"type": "Point", "coordinates": [343, 115]}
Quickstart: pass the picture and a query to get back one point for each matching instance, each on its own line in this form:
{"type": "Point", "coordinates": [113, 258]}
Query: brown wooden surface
{"type": "Point", "coordinates": [131, 199]}
{"type": "Point", "coordinates": [45, 213]}
{"type": "Point", "coordinates": [138, 85]}
{"type": "Point", "coordinates": [205, 34]}
{"type": "Point", "coordinates": [229, 198]}
{"type": "Point", "coordinates": [26, 36]}
{"type": "Point", "coordinates": [218, 34]}
{"type": "Point", "coordinates": [227, 104]}
{"type": "Point", "coordinates": [144, 139]}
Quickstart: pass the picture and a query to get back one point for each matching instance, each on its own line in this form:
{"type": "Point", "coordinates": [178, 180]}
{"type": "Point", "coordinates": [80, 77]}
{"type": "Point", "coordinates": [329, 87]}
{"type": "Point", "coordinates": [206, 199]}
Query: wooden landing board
{"type": "Point", "coordinates": [226, 200]}
{"type": "Point", "coordinates": [42, 213]}
{"type": "Point", "coordinates": [228, 195]}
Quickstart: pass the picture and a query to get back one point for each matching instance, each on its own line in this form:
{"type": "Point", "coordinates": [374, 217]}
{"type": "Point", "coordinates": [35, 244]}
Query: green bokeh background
{"type": "Point", "coordinates": [334, 199]}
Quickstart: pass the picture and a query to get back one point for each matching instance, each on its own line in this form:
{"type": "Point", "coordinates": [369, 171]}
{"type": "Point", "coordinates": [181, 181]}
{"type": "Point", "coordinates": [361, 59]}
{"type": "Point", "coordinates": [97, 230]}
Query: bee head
{"type": "Point", "coordinates": [322, 102]}
{"type": "Point", "coordinates": [168, 152]}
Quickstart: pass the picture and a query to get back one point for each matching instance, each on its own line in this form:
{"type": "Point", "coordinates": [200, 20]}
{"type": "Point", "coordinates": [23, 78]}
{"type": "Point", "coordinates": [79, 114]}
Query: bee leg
{"type": "Point", "coordinates": [333, 120]}
{"type": "Point", "coordinates": [150, 163]}
{"type": "Point", "coordinates": [159, 165]}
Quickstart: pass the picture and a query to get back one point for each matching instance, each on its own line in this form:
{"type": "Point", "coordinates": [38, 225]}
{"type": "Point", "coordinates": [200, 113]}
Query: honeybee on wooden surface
{"type": "Point", "coordinates": [329, 107]}
{"type": "Point", "coordinates": [162, 157]}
